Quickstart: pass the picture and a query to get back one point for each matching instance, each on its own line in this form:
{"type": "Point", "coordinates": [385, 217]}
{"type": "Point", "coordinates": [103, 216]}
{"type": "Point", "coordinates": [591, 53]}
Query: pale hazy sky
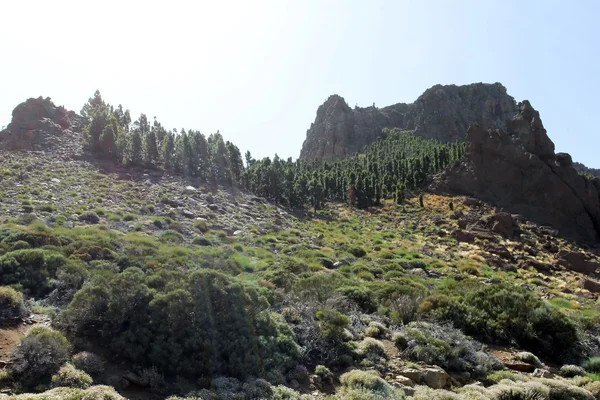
{"type": "Point", "coordinates": [257, 70]}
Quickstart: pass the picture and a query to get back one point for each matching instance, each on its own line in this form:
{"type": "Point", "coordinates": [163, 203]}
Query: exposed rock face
{"type": "Point", "coordinates": [442, 112]}
{"type": "Point", "coordinates": [518, 170]}
{"type": "Point", "coordinates": [35, 122]}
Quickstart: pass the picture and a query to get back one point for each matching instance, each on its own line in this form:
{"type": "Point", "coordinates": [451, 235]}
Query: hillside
{"type": "Point", "coordinates": [199, 283]}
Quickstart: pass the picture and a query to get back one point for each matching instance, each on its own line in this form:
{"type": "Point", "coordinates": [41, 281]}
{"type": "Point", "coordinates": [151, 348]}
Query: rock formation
{"type": "Point", "coordinates": [518, 170]}
{"type": "Point", "coordinates": [442, 112]}
{"type": "Point", "coordinates": [35, 123]}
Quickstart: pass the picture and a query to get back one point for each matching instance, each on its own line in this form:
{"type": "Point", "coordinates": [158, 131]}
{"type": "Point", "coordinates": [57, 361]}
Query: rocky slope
{"type": "Point", "coordinates": [518, 169]}
{"type": "Point", "coordinates": [442, 112]}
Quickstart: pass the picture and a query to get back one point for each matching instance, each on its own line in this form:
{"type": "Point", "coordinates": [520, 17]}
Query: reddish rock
{"type": "Point", "coordinates": [519, 366]}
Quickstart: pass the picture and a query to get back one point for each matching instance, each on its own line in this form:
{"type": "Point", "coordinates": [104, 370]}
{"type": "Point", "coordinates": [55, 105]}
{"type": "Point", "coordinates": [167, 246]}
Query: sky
{"type": "Point", "coordinates": [257, 70]}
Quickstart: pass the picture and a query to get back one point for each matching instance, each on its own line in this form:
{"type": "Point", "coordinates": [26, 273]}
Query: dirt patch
{"type": "Point", "coordinates": [10, 337]}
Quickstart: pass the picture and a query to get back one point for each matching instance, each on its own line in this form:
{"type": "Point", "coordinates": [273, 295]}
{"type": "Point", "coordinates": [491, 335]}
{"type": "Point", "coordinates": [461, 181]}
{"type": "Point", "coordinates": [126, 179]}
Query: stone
{"type": "Point", "coordinates": [576, 261]}
{"type": "Point", "coordinates": [493, 170]}
{"type": "Point", "coordinates": [190, 189]}
{"type": "Point", "coordinates": [405, 381]}
{"type": "Point", "coordinates": [294, 384]}
{"type": "Point", "coordinates": [504, 224]}
{"type": "Point", "coordinates": [590, 285]}
{"type": "Point", "coordinates": [213, 207]}
{"type": "Point", "coordinates": [188, 214]}
{"type": "Point", "coordinates": [519, 366]}
{"type": "Point", "coordinates": [441, 112]}
{"type": "Point", "coordinates": [463, 236]}
{"type": "Point", "coordinates": [55, 180]}
{"type": "Point", "coordinates": [498, 250]}
{"type": "Point", "coordinates": [237, 233]}
{"type": "Point", "coordinates": [435, 377]}
{"type": "Point", "coordinates": [542, 373]}
{"type": "Point", "coordinates": [412, 374]}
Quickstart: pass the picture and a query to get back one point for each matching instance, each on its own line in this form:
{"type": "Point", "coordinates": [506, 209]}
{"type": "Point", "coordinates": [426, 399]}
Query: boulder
{"type": "Point", "coordinates": [576, 261]}
{"type": "Point", "coordinates": [463, 236]}
{"type": "Point", "coordinates": [405, 381]}
{"type": "Point", "coordinates": [498, 250]}
{"type": "Point", "coordinates": [542, 373]}
{"type": "Point", "coordinates": [412, 374]}
{"type": "Point", "coordinates": [590, 285]}
{"type": "Point", "coordinates": [435, 377]}
{"type": "Point", "coordinates": [519, 366]}
{"type": "Point", "coordinates": [504, 224]}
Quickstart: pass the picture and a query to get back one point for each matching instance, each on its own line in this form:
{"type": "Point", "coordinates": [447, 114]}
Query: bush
{"type": "Point", "coordinates": [88, 362]}
{"type": "Point", "coordinates": [201, 226]}
{"type": "Point", "coordinates": [20, 245]}
{"type": "Point", "coordinates": [69, 376]}
{"type": "Point", "coordinates": [504, 313]}
{"type": "Point", "coordinates": [368, 381]}
{"type": "Point", "coordinates": [332, 323]}
{"type": "Point", "coordinates": [230, 335]}
{"type": "Point", "coordinates": [324, 373]}
{"type": "Point", "coordinates": [12, 307]}
{"type": "Point", "coordinates": [592, 365]}
{"type": "Point", "coordinates": [201, 241]}
{"type": "Point", "coordinates": [446, 347]}
{"type": "Point", "coordinates": [376, 330]}
{"type": "Point", "coordinates": [90, 217]}
{"type": "Point", "coordinates": [529, 358]}
{"type": "Point", "coordinates": [31, 269]}
{"type": "Point", "coordinates": [357, 252]}
{"type": "Point", "coordinates": [371, 347]}
{"type": "Point", "coordinates": [570, 371]}
{"type": "Point", "coordinates": [39, 356]}
{"type": "Point", "coordinates": [361, 296]}
{"type": "Point", "coordinates": [97, 392]}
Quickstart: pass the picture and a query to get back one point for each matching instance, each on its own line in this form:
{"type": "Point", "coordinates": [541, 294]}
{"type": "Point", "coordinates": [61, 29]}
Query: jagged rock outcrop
{"type": "Point", "coordinates": [442, 112]}
{"type": "Point", "coordinates": [518, 170]}
{"type": "Point", "coordinates": [36, 123]}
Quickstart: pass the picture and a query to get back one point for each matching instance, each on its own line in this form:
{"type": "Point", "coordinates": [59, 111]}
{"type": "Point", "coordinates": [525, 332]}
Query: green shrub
{"type": "Point", "coordinates": [32, 269]}
{"type": "Point", "coordinates": [324, 373]}
{"type": "Point", "coordinates": [371, 347]}
{"type": "Point", "coordinates": [12, 307]}
{"type": "Point", "coordinates": [201, 226]}
{"type": "Point", "coordinates": [332, 323]}
{"type": "Point", "coordinates": [357, 252]}
{"type": "Point", "coordinates": [592, 365]}
{"type": "Point", "coordinates": [20, 245]}
{"type": "Point", "coordinates": [376, 330]}
{"type": "Point", "coordinates": [368, 381]}
{"type": "Point", "coordinates": [232, 334]}
{"type": "Point", "coordinates": [201, 241]}
{"type": "Point", "coordinates": [69, 376]}
{"type": "Point", "coordinates": [570, 371]}
{"type": "Point", "coordinates": [90, 217]}
{"type": "Point", "coordinates": [504, 313]}
{"type": "Point", "coordinates": [444, 346]}
{"type": "Point", "coordinates": [88, 362]}
{"type": "Point", "coordinates": [362, 296]}
{"type": "Point", "coordinates": [39, 356]}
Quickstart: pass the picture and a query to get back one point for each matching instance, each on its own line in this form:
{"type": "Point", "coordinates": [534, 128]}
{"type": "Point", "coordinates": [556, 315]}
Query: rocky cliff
{"type": "Point", "coordinates": [38, 123]}
{"type": "Point", "coordinates": [442, 112]}
{"type": "Point", "coordinates": [517, 169]}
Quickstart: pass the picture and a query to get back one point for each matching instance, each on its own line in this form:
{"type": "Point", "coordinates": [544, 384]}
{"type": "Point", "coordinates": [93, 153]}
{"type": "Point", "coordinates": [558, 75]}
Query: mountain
{"type": "Point", "coordinates": [443, 113]}
{"type": "Point", "coordinates": [518, 169]}
{"type": "Point", "coordinates": [123, 278]}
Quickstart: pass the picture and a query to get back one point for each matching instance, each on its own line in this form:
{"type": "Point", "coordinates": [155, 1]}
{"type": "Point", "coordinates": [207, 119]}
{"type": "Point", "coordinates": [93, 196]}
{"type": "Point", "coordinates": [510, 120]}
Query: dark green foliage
{"type": "Point", "coordinates": [592, 365]}
{"type": "Point", "coordinates": [361, 296]}
{"type": "Point", "coordinates": [40, 355]}
{"type": "Point", "coordinates": [206, 324]}
{"type": "Point", "coordinates": [11, 306]}
{"type": "Point", "coordinates": [332, 323]}
{"type": "Point", "coordinates": [31, 269]}
{"type": "Point", "coordinates": [89, 217]}
{"type": "Point", "coordinates": [503, 313]}
{"type": "Point", "coordinates": [444, 346]}
{"type": "Point", "coordinates": [451, 205]}
{"type": "Point", "coordinates": [388, 168]}
{"type": "Point", "coordinates": [421, 200]}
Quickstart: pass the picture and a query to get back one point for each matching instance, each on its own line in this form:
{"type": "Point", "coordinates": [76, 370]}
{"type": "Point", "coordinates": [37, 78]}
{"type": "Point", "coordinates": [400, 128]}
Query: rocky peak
{"type": "Point", "coordinates": [441, 112]}
{"type": "Point", "coordinates": [518, 170]}
{"type": "Point", "coordinates": [36, 123]}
